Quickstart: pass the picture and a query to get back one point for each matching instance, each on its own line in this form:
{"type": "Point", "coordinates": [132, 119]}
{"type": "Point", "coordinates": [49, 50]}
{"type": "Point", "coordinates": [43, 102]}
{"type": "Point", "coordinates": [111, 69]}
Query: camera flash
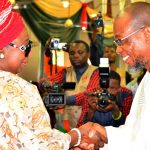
{"type": "Point", "coordinates": [104, 62]}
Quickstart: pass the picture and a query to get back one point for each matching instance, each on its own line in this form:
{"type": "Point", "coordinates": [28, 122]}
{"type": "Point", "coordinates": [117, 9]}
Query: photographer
{"type": "Point", "coordinates": [116, 110]}
{"type": "Point", "coordinates": [96, 47]}
{"type": "Point", "coordinates": [86, 78]}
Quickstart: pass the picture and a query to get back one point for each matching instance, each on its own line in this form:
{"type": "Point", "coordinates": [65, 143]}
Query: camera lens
{"type": "Point", "coordinates": [103, 102]}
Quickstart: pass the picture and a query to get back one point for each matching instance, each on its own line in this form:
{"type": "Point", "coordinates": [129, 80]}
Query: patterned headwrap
{"type": "Point", "coordinates": [11, 23]}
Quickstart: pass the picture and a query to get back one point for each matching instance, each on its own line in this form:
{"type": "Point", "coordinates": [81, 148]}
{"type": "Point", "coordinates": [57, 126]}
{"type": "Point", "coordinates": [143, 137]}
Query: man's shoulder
{"type": "Point", "coordinates": [125, 91]}
{"type": "Point", "coordinates": [70, 67]}
{"type": "Point", "coordinates": [90, 66]}
{"type": "Point", "coordinates": [94, 67]}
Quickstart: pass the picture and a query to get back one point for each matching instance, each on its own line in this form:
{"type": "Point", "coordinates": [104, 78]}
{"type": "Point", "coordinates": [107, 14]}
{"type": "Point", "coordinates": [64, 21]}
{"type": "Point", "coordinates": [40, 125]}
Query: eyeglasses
{"type": "Point", "coordinates": [119, 42]}
{"type": "Point", "coordinates": [25, 48]}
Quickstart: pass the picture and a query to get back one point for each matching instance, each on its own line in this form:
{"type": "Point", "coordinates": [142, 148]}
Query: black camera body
{"type": "Point", "coordinates": [104, 96]}
{"type": "Point", "coordinates": [56, 96]}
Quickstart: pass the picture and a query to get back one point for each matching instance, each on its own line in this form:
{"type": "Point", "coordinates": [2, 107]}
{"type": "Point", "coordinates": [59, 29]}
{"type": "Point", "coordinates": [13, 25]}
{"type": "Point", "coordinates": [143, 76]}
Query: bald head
{"type": "Point", "coordinates": [139, 14]}
{"type": "Point", "coordinates": [132, 32]}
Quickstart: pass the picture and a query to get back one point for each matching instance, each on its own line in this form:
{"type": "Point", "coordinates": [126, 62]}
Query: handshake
{"type": "Point", "coordinates": [91, 136]}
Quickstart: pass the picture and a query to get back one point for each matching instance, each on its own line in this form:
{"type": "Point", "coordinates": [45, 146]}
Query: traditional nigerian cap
{"type": "Point", "coordinates": [11, 23]}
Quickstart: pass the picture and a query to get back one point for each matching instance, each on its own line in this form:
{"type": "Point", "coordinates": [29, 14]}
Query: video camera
{"type": "Point", "coordinates": [56, 45]}
{"type": "Point", "coordinates": [56, 96]}
{"type": "Point", "coordinates": [98, 21]}
{"type": "Point", "coordinates": [104, 96]}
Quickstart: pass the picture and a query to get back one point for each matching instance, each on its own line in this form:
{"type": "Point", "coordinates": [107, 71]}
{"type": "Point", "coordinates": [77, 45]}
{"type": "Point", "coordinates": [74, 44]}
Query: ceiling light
{"type": "Point", "coordinates": [84, 28]}
{"type": "Point", "coordinates": [65, 3]}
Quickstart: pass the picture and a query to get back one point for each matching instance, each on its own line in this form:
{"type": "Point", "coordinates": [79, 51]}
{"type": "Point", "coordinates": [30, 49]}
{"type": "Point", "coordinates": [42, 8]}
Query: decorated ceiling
{"type": "Point", "coordinates": [50, 17]}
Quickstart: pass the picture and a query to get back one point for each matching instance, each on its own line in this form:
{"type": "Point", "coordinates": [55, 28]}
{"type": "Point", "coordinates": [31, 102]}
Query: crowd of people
{"type": "Point", "coordinates": [27, 124]}
{"type": "Point", "coordinates": [86, 78]}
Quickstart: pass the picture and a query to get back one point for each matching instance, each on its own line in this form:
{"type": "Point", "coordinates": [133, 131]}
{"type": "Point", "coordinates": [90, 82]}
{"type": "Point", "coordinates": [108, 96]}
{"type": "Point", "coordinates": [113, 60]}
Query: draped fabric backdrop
{"type": "Point", "coordinates": [39, 20]}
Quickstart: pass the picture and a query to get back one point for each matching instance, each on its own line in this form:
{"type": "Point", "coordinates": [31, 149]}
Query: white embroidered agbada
{"type": "Point", "coordinates": [134, 135]}
{"type": "Point", "coordinates": [24, 121]}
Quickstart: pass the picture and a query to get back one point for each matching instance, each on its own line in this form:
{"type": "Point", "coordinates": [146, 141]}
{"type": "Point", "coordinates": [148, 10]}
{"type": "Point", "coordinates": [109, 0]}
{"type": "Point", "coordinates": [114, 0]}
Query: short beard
{"type": "Point", "coordinates": [139, 66]}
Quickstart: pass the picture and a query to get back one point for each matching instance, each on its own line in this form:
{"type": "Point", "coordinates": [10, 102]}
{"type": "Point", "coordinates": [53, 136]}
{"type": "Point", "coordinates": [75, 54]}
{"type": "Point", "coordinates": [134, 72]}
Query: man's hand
{"type": "Point", "coordinates": [93, 106]}
{"type": "Point", "coordinates": [92, 101]}
{"type": "Point", "coordinates": [112, 106]}
{"type": "Point", "coordinates": [91, 137]}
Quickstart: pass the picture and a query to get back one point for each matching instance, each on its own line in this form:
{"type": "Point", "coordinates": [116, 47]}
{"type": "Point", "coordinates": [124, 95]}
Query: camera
{"type": "Point", "coordinates": [104, 96]}
{"type": "Point", "coordinates": [98, 21]}
{"type": "Point", "coordinates": [55, 96]}
{"type": "Point", "coordinates": [104, 73]}
{"type": "Point", "coordinates": [56, 45]}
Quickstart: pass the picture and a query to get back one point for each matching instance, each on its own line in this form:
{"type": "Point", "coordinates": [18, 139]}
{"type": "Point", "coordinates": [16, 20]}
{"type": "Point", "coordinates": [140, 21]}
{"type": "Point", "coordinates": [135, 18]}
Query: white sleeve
{"type": "Point", "coordinates": [117, 138]}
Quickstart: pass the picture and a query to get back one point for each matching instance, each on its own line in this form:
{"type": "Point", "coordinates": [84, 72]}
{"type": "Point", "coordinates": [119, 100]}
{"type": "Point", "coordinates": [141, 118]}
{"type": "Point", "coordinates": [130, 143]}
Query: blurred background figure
{"type": "Point", "coordinates": [99, 49]}
{"type": "Point", "coordinates": [110, 53]}
{"type": "Point", "coordinates": [136, 78]}
{"type": "Point", "coordinates": [96, 45]}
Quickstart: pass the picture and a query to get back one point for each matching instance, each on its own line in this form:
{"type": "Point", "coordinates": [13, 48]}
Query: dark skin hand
{"type": "Point", "coordinates": [93, 136]}
{"type": "Point", "coordinates": [93, 106]}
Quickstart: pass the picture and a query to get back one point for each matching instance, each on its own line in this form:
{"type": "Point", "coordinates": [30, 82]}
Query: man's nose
{"type": "Point", "coordinates": [76, 55]}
